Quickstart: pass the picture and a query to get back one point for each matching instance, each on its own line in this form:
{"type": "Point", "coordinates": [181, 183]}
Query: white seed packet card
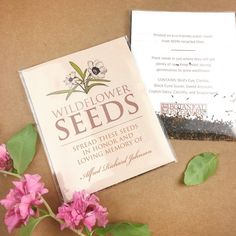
{"type": "Point", "coordinates": [95, 119]}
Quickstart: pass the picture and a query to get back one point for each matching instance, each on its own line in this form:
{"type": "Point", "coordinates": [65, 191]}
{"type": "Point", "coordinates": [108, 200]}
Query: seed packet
{"type": "Point", "coordinates": [95, 118]}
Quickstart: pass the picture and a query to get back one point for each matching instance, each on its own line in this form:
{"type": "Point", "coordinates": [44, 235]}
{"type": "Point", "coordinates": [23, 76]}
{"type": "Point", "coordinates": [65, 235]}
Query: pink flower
{"type": "Point", "coordinates": [21, 201]}
{"type": "Point", "coordinates": [5, 160]}
{"type": "Point", "coordinates": [83, 210]}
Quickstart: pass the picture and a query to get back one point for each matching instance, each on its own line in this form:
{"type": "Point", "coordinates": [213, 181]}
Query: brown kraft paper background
{"type": "Point", "coordinates": [34, 32]}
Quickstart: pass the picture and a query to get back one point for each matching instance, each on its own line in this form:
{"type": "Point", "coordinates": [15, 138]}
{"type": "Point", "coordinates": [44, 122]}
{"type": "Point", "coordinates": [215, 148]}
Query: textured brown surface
{"type": "Point", "coordinates": [33, 32]}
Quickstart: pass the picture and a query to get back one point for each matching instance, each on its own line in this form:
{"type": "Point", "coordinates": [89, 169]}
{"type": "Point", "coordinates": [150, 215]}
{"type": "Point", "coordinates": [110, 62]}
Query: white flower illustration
{"type": "Point", "coordinates": [71, 79]}
{"type": "Point", "coordinates": [96, 69]}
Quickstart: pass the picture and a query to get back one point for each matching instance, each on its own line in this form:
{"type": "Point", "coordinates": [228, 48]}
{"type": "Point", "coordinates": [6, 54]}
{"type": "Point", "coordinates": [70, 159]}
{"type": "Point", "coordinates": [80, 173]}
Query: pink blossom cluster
{"type": "Point", "coordinates": [22, 200]}
{"type": "Point", "coordinates": [5, 160]}
{"type": "Point", "coordinates": [83, 210]}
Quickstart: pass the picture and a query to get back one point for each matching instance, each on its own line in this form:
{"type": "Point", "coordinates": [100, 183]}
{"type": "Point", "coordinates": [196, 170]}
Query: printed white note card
{"type": "Point", "coordinates": [187, 61]}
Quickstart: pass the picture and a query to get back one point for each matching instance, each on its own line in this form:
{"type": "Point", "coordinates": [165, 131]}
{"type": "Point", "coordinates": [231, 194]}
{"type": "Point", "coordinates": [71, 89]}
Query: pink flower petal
{"type": "Point", "coordinates": [22, 199]}
{"type": "Point", "coordinates": [83, 210]}
{"type": "Point", "coordinates": [12, 220]}
{"type": "Point", "coordinates": [89, 221]}
{"type": "Point", "coordinates": [5, 160]}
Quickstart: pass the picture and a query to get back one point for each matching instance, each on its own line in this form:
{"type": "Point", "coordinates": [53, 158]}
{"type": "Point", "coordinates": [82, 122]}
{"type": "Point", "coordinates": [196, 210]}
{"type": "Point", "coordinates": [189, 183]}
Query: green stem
{"type": "Point", "coordinates": [51, 213]}
{"type": "Point", "coordinates": [88, 232]}
{"type": "Point", "coordinates": [48, 207]}
{"type": "Point", "coordinates": [11, 174]}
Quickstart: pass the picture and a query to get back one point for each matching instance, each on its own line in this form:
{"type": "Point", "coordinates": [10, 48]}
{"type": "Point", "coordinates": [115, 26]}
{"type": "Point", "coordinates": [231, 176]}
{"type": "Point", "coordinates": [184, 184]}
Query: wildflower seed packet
{"type": "Point", "coordinates": [95, 119]}
{"type": "Point", "coordinates": [187, 61]}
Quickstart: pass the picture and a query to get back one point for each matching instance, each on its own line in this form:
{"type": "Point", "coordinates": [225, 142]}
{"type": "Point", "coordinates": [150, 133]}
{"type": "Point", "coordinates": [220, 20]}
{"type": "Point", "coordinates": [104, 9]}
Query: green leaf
{"type": "Point", "coordinates": [200, 168]}
{"type": "Point", "coordinates": [93, 85]}
{"type": "Point", "coordinates": [28, 229]}
{"type": "Point", "coordinates": [124, 229]}
{"type": "Point", "coordinates": [78, 70]}
{"type": "Point", "coordinates": [22, 148]}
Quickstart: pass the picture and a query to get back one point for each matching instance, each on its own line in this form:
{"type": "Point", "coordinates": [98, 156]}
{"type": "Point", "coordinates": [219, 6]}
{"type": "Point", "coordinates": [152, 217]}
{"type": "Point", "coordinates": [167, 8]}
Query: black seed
{"type": "Point", "coordinates": [179, 127]}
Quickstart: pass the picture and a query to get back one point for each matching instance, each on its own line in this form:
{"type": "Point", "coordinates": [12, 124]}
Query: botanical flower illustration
{"type": "Point", "coordinates": [71, 79]}
{"type": "Point", "coordinates": [5, 160]}
{"type": "Point", "coordinates": [83, 210]}
{"type": "Point", "coordinates": [97, 69]}
{"type": "Point", "coordinates": [83, 81]}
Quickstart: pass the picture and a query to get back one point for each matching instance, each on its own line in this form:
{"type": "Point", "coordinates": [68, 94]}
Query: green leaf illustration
{"type": "Point", "coordinates": [63, 91]}
{"type": "Point", "coordinates": [85, 72]}
{"type": "Point", "coordinates": [72, 90]}
{"type": "Point", "coordinates": [28, 229]}
{"type": "Point", "coordinates": [124, 229]}
{"type": "Point", "coordinates": [88, 81]}
{"type": "Point", "coordinates": [78, 70]}
{"type": "Point", "coordinates": [93, 85]}
{"type": "Point", "coordinates": [99, 80]}
{"type": "Point", "coordinates": [200, 168]}
{"type": "Point", "coordinates": [22, 148]}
